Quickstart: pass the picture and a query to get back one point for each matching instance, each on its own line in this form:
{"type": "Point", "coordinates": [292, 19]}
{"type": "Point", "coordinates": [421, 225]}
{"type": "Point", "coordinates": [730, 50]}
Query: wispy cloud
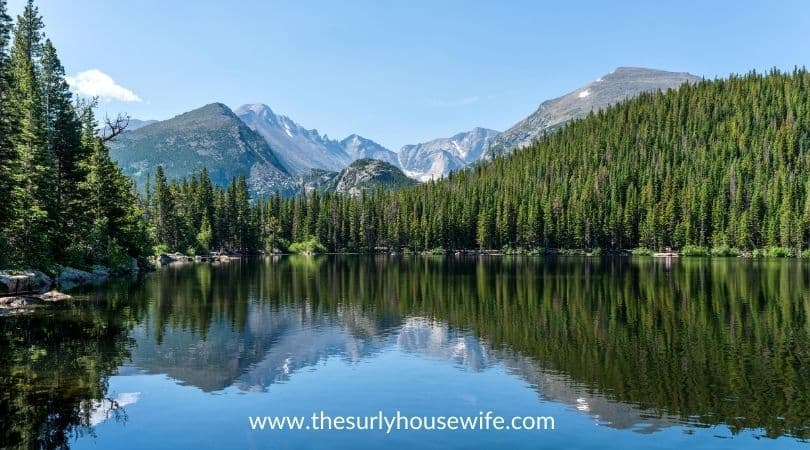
{"type": "Point", "coordinates": [452, 103]}
{"type": "Point", "coordinates": [95, 83]}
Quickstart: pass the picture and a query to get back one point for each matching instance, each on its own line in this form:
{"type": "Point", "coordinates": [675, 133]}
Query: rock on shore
{"type": "Point", "coordinates": [23, 282]}
{"type": "Point", "coordinates": [25, 302]}
{"type": "Point", "coordinates": [70, 277]}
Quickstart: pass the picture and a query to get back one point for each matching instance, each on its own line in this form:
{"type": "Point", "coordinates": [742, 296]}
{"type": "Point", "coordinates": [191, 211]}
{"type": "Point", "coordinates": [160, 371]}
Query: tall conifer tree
{"type": "Point", "coordinates": [31, 229]}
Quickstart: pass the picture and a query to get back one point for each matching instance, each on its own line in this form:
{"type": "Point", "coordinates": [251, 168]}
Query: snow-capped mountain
{"type": "Point", "coordinates": [436, 158]}
{"type": "Point", "coordinates": [358, 147]}
{"type": "Point", "coordinates": [298, 148]}
{"type": "Point", "coordinates": [621, 84]}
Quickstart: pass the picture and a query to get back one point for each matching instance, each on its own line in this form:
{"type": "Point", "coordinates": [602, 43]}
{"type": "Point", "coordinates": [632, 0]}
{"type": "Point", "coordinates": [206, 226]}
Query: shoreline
{"type": "Point", "coordinates": [155, 261]}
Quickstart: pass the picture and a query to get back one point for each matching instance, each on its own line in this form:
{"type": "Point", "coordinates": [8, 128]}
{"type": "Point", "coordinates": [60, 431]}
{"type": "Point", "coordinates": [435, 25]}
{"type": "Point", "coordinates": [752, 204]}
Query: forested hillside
{"type": "Point", "coordinates": [716, 163]}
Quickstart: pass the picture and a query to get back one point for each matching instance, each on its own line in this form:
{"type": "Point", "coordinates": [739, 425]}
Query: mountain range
{"type": "Point", "coordinates": [274, 152]}
{"type": "Point", "coordinates": [278, 154]}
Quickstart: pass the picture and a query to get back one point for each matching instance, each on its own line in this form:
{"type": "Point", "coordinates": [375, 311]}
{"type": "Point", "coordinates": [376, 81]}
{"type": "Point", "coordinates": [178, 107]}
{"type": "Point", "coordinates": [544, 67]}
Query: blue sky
{"type": "Point", "coordinates": [401, 72]}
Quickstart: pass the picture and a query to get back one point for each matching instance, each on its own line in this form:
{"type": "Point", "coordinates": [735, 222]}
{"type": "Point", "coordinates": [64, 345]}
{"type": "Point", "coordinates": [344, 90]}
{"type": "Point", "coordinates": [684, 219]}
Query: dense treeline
{"type": "Point", "coordinates": [193, 215]}
{"type": "Point", "coordinates": [62, 200]}
{"type": "Point", "coordinates": [714, 164]}
{"type": "Point", "coordinates": [717, 163]}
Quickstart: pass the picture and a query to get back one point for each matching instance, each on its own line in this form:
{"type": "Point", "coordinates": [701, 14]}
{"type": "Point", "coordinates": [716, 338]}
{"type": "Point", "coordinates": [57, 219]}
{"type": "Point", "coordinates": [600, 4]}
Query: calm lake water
{"type": "Point", "coordinates": [622, 352]}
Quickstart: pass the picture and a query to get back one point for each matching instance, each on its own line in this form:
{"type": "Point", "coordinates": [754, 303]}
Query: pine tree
{"type": "Point", "coordinates": [9, 161]}
{"type": "Point", "coordinates": [32, 227]}
{"type": "Point", "coordinates": [64, 143]}
{"type": "Point", "coordinates": [164, 211]}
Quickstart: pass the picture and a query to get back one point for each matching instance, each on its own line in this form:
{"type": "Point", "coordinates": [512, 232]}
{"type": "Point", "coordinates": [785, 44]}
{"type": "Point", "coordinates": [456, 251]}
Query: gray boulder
{"type": "Point", "coordinates": [23, 282]}
{"type": "Point", "coordinates": [70, 277]}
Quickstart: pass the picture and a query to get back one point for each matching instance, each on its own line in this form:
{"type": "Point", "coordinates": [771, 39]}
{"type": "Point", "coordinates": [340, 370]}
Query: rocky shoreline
{"type": "Point", "coordinates": [22, 290]}
{"type": "Point", "coordinates": [169, 258]}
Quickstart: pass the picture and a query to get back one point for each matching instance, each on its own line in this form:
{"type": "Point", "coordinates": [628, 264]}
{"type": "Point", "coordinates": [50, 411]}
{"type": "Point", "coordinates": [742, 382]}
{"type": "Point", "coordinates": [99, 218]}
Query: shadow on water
{"type": "Point", "coordinates": [640, 343]}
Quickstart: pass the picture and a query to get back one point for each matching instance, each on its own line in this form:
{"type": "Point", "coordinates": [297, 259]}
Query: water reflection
{"type": "Point", "coordinates": [705, 342]}
{"type": "Point", "coordinates": [635, 344]}
{"type": "Point", "coordinates": [54, 368]}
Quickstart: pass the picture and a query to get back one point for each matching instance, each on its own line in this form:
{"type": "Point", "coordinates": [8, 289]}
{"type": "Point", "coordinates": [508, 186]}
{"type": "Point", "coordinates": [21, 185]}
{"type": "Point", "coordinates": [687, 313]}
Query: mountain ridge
{"type": "Point", "coordinates": [211, 136]}
{"type": "Point", "coordinates": [293, 151]}
{"type": "Point", "coordinates": [623, 83]}
{"type": "Point", "coordinates": [301, 149]}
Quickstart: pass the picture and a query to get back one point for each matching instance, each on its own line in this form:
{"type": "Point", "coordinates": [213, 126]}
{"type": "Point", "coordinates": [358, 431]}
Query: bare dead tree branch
{"type": "Point", "coordinates": [114, 127]}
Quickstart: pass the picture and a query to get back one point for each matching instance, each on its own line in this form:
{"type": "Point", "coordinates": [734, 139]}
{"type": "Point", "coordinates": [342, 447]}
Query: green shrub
{"type": "Point", "coordinates": [774, 252]}
{"type": "Point", "coordinates": [507, 250]}
{"type": "Point", "coordinates": [436, 251]}
{"type": "Point", "coordinates": [694, 250]}
{"type": "Point", "coordinates": [160, 248]}
{"type": "Point", "coordinates": [310, 246]}
{"type": "Point", "coordinates": [780, 252]}
{"type": "Point", "coordinates": [641, 251]}
{"type": "Point", "coordinates": [725, 250]}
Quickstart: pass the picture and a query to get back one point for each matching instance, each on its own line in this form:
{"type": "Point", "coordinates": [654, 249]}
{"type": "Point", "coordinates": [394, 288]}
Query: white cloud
{"type": "Point", "coordinates": [95, 83]}
{"type": "Point", "coordinates": [456, 102]}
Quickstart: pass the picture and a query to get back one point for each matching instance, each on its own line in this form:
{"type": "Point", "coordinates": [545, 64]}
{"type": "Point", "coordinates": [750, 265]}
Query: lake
{"type": "Point", "coordinates": [619, 352]}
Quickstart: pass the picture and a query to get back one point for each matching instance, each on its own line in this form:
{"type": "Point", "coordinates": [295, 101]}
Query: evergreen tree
{"type": "Point", "coordinates": [9, 162]}
{"type": "Point", "coordinates": [164, 211]}
{"type": "Point", "coordinates": [64, 143]}
{"type": "Point", "coordinates": [31, 228]}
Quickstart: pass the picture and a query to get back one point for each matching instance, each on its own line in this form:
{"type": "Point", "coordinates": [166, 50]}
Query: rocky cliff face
{"type": "Point", "coordinates": [361, 175]}
{"type": "Point", "coordinates": [298, 148]}
{"type": "Point", "coordinates": [437, 158]}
